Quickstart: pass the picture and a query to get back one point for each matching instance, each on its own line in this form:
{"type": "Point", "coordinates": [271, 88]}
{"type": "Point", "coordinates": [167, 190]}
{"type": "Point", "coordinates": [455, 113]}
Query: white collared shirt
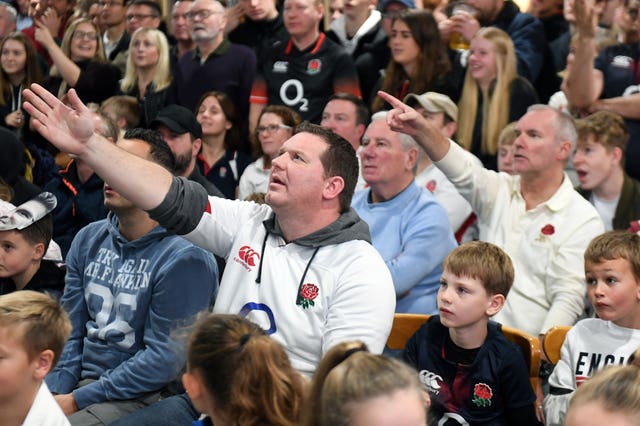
{"type": "Point", "coordinates": [546, 244]}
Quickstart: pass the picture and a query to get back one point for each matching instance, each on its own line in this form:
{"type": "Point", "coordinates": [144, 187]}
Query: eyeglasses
{"type": "Point", "coordinates": [109, 4]}
{"type": "Point", "coordinates": [139, 16]}
{"type": "Point", "coordinates": [271, 128]}
{"type": "Point", "coordinates": [200, 14]}
{"type": "Point", "coordinates": [81, 35]}
{"type": "Point", "coordinates": [177, 16]}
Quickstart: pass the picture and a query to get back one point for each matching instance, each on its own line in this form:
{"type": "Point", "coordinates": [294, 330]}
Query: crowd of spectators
{"type": "Point", "coordinates": [323, 160]}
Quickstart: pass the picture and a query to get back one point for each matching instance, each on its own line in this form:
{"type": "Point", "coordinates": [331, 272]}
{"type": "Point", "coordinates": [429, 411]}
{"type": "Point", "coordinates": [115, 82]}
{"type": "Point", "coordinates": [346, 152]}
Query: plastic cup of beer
{"type": "Point", "coordinates": [457, 40]}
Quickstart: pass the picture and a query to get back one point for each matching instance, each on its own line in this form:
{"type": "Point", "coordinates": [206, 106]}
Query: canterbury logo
{"type": "Point", "coordinates": [248, 255]}
{"type": "Point", "coordinates": [430, 381]}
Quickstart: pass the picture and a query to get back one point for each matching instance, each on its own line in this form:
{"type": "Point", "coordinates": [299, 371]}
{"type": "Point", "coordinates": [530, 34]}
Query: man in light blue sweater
{"type": "Point", "coordinates": [408, 226]}
{"type": "Point", "coordinates": [129, 284]}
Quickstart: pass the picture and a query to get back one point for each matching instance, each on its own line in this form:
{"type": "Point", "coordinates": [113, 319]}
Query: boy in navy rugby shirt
{"type": "Point", "coordinates": [473, 374]}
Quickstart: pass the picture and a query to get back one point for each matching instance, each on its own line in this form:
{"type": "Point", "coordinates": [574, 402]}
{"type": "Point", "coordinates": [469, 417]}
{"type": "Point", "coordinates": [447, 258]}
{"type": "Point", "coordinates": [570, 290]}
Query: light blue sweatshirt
{"type": "Point", "coordinates": [412, 233]}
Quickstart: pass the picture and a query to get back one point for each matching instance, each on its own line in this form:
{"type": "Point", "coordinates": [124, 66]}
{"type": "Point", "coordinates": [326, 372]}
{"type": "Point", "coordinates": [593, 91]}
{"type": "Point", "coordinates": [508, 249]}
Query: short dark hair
{"type": "Point", "coordinates": [40, 231]}
{"type": "Point", "coordinates": [338, 160]}
{"type": "Point", "coordinates": [159, 151]}
{"type": "Point", "coordinates": [363, 116]}
{"type": "Point", "coordinates": [149, 3]}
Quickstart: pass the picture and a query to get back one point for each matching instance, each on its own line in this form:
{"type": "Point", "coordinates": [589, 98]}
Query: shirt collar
{"type": "Point", "coordinates": [220, 50]}
{"type": "Point", "coordinates": [558, 200]}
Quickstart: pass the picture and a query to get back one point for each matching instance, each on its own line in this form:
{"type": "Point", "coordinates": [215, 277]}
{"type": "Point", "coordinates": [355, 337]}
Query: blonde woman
{"type": "Point", "coordinates": [79, 62]}
{"type": "Point", "coordinates": [493, 94]}
{"type": "Point", "coordinates": [148, 74]}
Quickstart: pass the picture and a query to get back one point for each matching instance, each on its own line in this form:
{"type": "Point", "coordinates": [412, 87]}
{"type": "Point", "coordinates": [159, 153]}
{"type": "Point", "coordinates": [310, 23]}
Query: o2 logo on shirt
{"type": "Point", "coordinates": [294, 86]}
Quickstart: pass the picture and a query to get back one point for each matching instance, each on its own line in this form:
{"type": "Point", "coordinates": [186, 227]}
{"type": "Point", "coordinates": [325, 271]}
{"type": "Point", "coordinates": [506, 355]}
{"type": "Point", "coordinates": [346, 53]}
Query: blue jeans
{"type": "Point", "coordinates": [173, 411]}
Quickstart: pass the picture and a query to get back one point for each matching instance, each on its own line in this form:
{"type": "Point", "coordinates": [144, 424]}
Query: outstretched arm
{"type": "Point", "coordinates": [583, 82]}
{"type": "Point", "coordinates": [70, 128]}
{"type": "Point", "coordinates": [404, 119]}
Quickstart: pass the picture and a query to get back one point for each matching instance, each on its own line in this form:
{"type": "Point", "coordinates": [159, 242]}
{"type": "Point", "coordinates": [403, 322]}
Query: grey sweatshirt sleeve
{"type": "Point", "coordinates": [182, 207]}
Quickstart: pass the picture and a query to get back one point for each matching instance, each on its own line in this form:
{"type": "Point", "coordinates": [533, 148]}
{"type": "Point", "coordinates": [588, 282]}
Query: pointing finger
{"type": "Point", "coordinates": [392, 100]}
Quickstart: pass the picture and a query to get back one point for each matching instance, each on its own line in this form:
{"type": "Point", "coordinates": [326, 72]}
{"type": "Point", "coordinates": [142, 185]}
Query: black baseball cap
{"type": "Point", "coordinates": [179, 120]}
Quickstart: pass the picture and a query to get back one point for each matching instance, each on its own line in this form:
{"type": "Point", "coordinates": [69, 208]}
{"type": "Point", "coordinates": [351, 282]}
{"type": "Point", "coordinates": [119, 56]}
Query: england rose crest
{"type": "Point", "coordinates": [308, 293]}
{"type": "Point", "coordinates": [482, 394]}
{"type": "Point", "coordinates": [314, 66]}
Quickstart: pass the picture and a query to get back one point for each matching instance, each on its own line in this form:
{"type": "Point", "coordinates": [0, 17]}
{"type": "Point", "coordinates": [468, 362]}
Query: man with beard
{"type": "Point", "coordinates": [215, 63]}
{"type": "Point", "coordinates": [182, 132]}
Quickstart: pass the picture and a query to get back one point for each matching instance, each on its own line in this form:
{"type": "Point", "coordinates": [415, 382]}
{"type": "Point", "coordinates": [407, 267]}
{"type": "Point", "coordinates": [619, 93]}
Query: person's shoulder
{"type": "Point", "coordinates": [360, 196]}
{"type": "Point", "coordinates": [332, 47]}
{"type": "Point", "coordinates": [432, 329]}
{"type": "Point", "coordinates": [93, 229]}
{"type": "Point", "coordinates": [634, 184]}
{"type": "Point", "coordinates": [180, 250]}
{"type": "Point", "coordinates": [497, 342]}
{"type": "Point", "coordinates": [237, 49]}
{"type": "Point", "coordinates": [521, 86]}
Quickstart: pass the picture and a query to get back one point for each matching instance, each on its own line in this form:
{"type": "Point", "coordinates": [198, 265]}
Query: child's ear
{"type": "Point", "coordinates": [43, 362]}
{"type": "Point", "coordinates": [496, 302]}
{"type": "Point", "coordinates": [38, 251]}
{"type": "Point", "coordinates": [192, 385]}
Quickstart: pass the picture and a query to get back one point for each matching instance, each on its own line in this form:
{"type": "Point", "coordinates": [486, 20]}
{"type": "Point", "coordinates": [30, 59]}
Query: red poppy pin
{"type": "Point", "coordinates": [482, 394]}
{"type": "Point", "coordinates": [308, 293]}
{"type": "Point", "coordinates": [547, 231]}
{"type": "Point", "coordinates": [431, 186]}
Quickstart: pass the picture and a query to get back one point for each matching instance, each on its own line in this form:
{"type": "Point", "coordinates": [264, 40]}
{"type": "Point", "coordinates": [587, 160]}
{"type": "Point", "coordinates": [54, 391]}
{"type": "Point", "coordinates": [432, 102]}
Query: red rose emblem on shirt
{"type": "Point", "coordinates": [548, 229]}
{"type": "Point", "coordinates": [482, 394]}
{"type": "Point", "coordinates": [308, 293]}
{"type": "Point", "coordinates": [431, 186]}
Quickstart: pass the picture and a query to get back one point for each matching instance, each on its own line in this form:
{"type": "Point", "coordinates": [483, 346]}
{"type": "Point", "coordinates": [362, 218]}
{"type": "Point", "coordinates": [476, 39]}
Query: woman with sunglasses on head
{"type": "Point", "coordinates": [79, 63]}
{"type": "Point", "coordinates": [276, 124]}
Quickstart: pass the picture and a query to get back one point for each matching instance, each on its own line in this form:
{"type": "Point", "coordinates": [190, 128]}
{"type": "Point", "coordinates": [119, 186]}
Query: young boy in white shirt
{"type": "Point", "coordinates": [33, 331]}
{"type": "Point", "coordinates": [612, 270]}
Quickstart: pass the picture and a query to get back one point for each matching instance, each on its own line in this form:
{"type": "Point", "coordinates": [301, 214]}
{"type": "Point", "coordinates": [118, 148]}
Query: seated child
{"type": "Point", "coordinates": [473, 374]}
{"type": "Point", "coordinates": [355, 387]}
{"type": "Point", "coordinates": [611, 397]}
{"type": "Point", "coordinates": [612, 270]}
{"type": "Point", "coordinates": [506, 139]}
{"type": "Point", "coordinates": [33, 330]}
{"type": "Point", "coordinates": [599, 162]}
{"type": "Point", "coordinates": [22, 248]}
